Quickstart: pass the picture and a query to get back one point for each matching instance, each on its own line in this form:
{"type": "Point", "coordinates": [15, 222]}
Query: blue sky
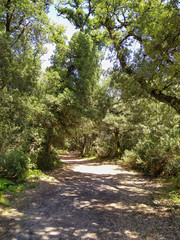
{"type": "Point", "coordinates": [70, 30]}
{"type": "Point", "coordinates": [60, 20]}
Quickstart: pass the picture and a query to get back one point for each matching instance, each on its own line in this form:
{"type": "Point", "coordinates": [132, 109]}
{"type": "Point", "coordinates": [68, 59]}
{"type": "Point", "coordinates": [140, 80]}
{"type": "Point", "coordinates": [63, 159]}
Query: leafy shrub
{"type": "Point", "coordinates": [105, 146]}
{"type": "Point", "coordinates": [22, 177]}
{"type": "Point", "coordinates": [21, 188]}
{"type": "Point", "coordinates": [159, 155]}
{"type": "Point", "coordinates": [47, 161]}
{"type": "Point", "coordinates": [172, 167]}
{"type": "Point", "coordinates": [13, 164]}
{"type": "Point", "coordinates": [11, 188]}
{"type": "Point", "coordinates": [155, 154]}
{"type": "Point", "coordinates": [131, 159]}
{"type": "Point", "coordinates": [176, 181]}
{"type": "Point", "coordinates": [151, 155]}
{"type": "Point", "coordinates": [4, 183]}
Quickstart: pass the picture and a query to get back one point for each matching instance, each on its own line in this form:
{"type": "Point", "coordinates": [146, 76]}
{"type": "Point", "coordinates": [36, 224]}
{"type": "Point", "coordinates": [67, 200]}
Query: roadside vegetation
{"type": "Point", "coordinates": [11, 189]}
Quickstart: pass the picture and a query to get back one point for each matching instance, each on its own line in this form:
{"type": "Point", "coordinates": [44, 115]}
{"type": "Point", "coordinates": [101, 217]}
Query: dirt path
{"type": "Point", "coordinates": [92, 201]}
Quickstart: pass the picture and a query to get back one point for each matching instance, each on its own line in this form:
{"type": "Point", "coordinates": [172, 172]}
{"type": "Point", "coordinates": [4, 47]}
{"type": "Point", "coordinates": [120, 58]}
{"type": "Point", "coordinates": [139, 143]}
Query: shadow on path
{"type": "Point", "coordinates": [113, 205]}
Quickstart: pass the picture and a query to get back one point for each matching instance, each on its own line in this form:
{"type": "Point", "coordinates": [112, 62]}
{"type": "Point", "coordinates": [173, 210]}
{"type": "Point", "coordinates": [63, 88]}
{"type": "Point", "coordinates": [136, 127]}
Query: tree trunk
{"type": "Point", "coordinates": [49, 140]}
{"type": "Point", "coordinates": [171, 101]}
{"type": "Point", "coordinates": [84, 145]}
{"type": "Point", "coordinates": [116, 134]}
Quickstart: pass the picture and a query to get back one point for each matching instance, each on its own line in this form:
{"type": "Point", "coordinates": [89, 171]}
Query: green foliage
{"type": "Point", "coordinates": [131, 159]}
{"type": "Point", "coordinates": [170, 193]}
{"type": "Point", "coordinates": [155, 154]}
{"type": "Point", "coordinates": [11, 188]}
{"type": "Point", "coordinates": [47, 161]}
{"type": "Point", "coordinates": [21, 188]}
{"type": "Point", "coordinates": [176, 180]}
{"type": "Point", "coordinates": [4, 183]}
{"type": "Point", "coordinates": [77, 66]}
{"type": "Point", "coordinates": [34, 174]}
{"type": "Point", "coordinates": [32, 185]}
{"type": "Point", "coordinates": [69, 107]}
{"type": "Point", "coordinates": [23, 30]}
{"type": "Point", "coordinates": [4, 201]}
{"type": "Point", "coordinates": [105, 146]}
{"type": "Point", "coordinates": [147, 52]}
{"type": "Point", "coordinates": [159, 155]}
{"type": "Point", "coordinates": [27, 180]}
{"type": "Point", "coordinates": [13, 164]}
{"type": "Point", "coordinates": [62, 151]}
{"type": "Point", "coordinates": [173, 166]}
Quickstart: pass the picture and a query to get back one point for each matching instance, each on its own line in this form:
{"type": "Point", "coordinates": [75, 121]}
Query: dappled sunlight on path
{"type": "Point", "coordinates": [91, 201]}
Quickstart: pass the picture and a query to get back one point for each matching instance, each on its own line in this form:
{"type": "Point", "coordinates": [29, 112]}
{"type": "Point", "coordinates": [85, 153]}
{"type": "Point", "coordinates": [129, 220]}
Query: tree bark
{"type": "Point", "coordinates": [84, 145]}
{"type": "Point", "coordinates": [8, 16]}
{"type": "Point", "coordinates": [116, 134]}
{"type": "Point", "coordinates": [49, 140]}
{"type": "Point", "coordinates": [171, 101]}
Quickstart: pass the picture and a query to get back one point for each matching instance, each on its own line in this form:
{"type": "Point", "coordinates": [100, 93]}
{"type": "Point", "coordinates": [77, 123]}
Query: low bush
{"type": "Point", "coordinates": [155, 156]}
{"type": "Point", "coordinates": [4, 183]}
{"type": "Point", "coordinates": [176, 181]}
{"type": "Point", "coordinates": [13, 164]}
{"type": "Point", "coordinates": [131, 159]}
{"type": "Point", "coordinates": [47, 161]}
{"type": "Point", "coordinates": [172, 167]}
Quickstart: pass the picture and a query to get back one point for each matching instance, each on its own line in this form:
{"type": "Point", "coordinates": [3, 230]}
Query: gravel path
{"type": "Point", "coordinates": [92, 201]}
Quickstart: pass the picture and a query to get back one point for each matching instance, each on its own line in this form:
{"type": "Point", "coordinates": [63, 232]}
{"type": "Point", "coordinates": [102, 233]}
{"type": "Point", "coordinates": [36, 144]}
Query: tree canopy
{"type": "Point", "coordinates": [147, 51]}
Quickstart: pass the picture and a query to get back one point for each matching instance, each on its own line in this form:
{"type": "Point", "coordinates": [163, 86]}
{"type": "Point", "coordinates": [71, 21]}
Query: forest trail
{"type": "Point", "coordinates": [92, 201]}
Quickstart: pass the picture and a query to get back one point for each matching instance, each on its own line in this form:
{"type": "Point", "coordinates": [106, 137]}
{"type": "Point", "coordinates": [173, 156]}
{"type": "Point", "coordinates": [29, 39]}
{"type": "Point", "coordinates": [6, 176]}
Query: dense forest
{"type": "Point", "coordinates": [130, 111]}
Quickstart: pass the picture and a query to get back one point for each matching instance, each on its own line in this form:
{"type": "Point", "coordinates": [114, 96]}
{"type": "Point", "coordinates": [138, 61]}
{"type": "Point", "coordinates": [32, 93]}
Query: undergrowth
{"type": "Point", "coordinates": [101, 159]}
{"type": "Point", "coordinates": [10, 189]}
{"type": "Point", "coordinates": [169, 194]}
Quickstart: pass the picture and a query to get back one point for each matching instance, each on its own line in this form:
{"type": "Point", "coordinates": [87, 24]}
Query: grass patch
{"type": "Point", "coordinates": [108, 160]}
{"type": "Point", "coordinates": [61, 151]}
{"type": "Point", "coordinates": [171, 194]}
